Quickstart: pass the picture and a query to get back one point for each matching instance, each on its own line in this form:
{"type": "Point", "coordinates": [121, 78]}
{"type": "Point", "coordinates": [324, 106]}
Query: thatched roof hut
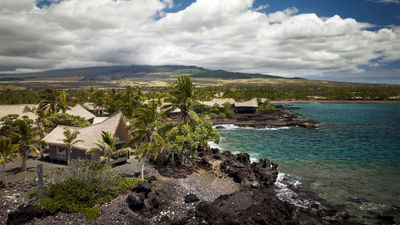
{"type": "Point", "coordinates": [89, 135]}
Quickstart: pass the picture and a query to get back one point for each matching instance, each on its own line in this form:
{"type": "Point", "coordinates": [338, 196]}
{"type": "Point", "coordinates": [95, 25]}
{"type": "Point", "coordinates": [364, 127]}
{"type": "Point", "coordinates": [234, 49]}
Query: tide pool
{"type": "Point", "coordinates": [351, 159]}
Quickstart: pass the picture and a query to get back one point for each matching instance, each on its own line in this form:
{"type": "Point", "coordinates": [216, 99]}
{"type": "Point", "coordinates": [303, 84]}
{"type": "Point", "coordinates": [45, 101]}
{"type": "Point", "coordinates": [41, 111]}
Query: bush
{"type": "Point", "coordinates": [67, 120]}
{"type": "Point", "coordinates": [82, 185]}
{"type": "Point", "coordinates": [221, 116]}
{"type": "Point", "coordinates": [91, 213]}
{"type": "Point", "coordinates": [212, 115]}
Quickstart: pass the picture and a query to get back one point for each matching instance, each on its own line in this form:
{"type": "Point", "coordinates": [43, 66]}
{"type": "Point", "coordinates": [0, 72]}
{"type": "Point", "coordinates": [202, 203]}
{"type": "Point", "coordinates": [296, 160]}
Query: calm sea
{"type": "Point", "coordinates": [351, 159]}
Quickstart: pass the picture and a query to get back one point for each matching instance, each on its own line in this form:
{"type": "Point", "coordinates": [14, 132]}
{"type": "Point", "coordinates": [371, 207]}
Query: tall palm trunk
{"type": "Point", "coordinates": [173, 161]}
{"type": "Point", "coordinates": [69, 156]}
{"type": "Point", "coordinates": [4, 167]}
{"type": "Point", "coordinates": [23, 165]}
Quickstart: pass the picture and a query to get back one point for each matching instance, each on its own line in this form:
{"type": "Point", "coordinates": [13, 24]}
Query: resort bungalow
{"type": "Point", "coordinates": [21, 110]}
{"type": "Point", "coordinates": [93, 108]}
{"type": "Point", "coordinates": [78, 110]}
{"type": "Point", "coordinates": [89, 136]}
{"type": "Point", "coordinates": [218, 101]}
{"type": "Point", "coordinates": [247, 106]}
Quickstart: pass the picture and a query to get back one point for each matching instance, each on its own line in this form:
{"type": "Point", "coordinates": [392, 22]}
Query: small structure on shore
{"type": "Point", "coordinates": [89, 136]}
{"type": "Point", "coordinates": [93, 108]}
{"type": "Point", "coordinates": [78, 110]}
{"type": "Point", "coordinates": [218, 101]}
{"type": "Point", "coordinates": [247, 106]}
{"type": "Point", "coordinates": [240, 107]}
{"type": "Point", "coordinates": [20, 109]}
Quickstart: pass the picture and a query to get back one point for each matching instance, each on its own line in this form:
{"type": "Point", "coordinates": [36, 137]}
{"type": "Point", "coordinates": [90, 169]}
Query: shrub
{"type": "Point", "coordinates": [212, 115]}
{"type": "Point", "coordinates": [79, 187]}
{"type": "Point", "coordinates": [91, 213]}
{"type": "Point", "coordinates": [221, 116]}
{"type": "Point", "coordinates": [67, 120]}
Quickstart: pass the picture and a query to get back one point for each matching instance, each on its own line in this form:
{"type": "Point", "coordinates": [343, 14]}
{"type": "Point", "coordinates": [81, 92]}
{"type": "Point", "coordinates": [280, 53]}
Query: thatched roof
{"type": "Point", "coordinates": [97, 120]}
{"type": "Point", "coordinates": [90, 135]}
{"type": "Point", "coordinates": [78, 110]}
{"type": "Point", "coordinates": [21, 109]}
{"type": "Point", "coordinates": [219, 101]}
{"type": "Point", "coordinates": [92, 106]}
{"type": "Point", "coordinates": [251, 103]}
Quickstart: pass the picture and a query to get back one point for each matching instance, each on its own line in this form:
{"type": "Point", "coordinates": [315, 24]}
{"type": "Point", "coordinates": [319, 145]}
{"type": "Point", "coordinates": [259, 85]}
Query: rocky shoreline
{"type": "Point", "coordinates": [279, 117]}
{"type": "Point", "coordinates": [217, 188]}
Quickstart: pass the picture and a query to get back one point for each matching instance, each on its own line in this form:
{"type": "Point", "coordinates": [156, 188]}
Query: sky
{"type": "Point", "coordinates": [342, 40]}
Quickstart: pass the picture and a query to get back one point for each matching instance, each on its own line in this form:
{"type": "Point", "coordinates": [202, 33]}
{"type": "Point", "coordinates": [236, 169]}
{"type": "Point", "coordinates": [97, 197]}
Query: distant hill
{"type": "Point", "coordinates": [133, 72]}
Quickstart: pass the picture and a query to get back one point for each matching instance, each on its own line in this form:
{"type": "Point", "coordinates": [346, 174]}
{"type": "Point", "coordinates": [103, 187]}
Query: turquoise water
{"type": "Point", "coordinates": [352, 159]}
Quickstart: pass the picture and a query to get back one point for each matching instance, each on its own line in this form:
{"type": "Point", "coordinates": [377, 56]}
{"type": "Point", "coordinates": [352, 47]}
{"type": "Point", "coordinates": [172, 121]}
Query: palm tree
{"type": "Point", "coordinates": [53, 101]}
{"type": "Point", "coordinates": [50, 101]}
{"type": "Point", "coordinates": [7, 151]}
{"type": "Point", "coordinates": [26, 138]}
{"type": "Point", "coordinates": [62, 101]}
{"type": "Point", "coordinates": [70, 140]}
{"type": "Point", "coordinates": [107, 146]}
{"type": "Point", "coordinates": [181, 97]}
{"type": "Point", "coordinates": [41, 123]}
{"type": "Point", "coordinates": [144, 130]}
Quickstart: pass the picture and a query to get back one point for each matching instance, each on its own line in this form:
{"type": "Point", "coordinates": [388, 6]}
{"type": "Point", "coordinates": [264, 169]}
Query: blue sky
{"type": "Point", "coordinates": [353, 40]}
{"type": "Point", "coordinates": [374, 12]}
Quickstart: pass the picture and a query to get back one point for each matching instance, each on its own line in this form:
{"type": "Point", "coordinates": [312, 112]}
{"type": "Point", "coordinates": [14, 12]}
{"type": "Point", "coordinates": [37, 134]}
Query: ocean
{"type": "Point", "coordinates": [352, 159]}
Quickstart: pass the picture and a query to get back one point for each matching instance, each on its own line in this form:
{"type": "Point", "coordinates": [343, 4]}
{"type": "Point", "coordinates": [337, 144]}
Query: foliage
{"type": "Point", "coordinates": [53, 101]}
{"type": "Point", "coordinates": [26, 138]}
{"type": "Point", "coordinates": [144, 129]}
{"type": "Point", "coordinates": [10, 122]}
{"type": "Point", "coordinates": [107, 146]}
{"type": "Point", "coordinates": [7, 150]}
{"type": "Point", "coordinates": [181, 96]}
{"type": "Point", "coordinates": [265, 106]}
{"type": "Point", "coordinates": [79, 187]}
{"type": "Point", "coordinates": [70, 138]}
{"type": "Point", "coordinates": [67, 120]}
{"type": "Point", "coordinates": [187, 139]}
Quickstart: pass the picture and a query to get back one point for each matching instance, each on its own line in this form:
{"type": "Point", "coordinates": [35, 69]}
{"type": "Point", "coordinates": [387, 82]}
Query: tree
{"type": "Point", "coordinates": [187, 139]}
{"type": "Point", "coordinates": [50, 101]}
{"type": "Point", "coordinates": [70, 140]}
{"type": "Point", "coordinates": [144, 130]}
{"type": "Point", "coordinates": [181, 97]}
{"type": "Point", "coordinates": [7, 151]}
{"type": "Point", "coordinates": [25, 137]}
{"type": "Point", "coordinates": [53, 101]}
{"type": "Point", "coordinates": [42, 123]}
{"type": "Point", "coordinates": [67, 120]}
{"type": "Point", "coordinates": [107, 146]}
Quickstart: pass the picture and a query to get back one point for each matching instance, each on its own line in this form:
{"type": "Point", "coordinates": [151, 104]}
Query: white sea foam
{"type": "Point", "coordinates": [275, 128]}
{"type": "Point", "coordinates": [234, 127]}
{"type": "Point", "coordinates": [226, 126]}
{"type": "Point", "coordinates": [284, 193]}
{"type": "Point", "coordinates": [214, 145]}
{"type": "Point", "coordinates": [254, 157]}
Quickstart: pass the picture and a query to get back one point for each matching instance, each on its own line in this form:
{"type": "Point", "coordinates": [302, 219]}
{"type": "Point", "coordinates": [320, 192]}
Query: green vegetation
{"type": "Point", "coordinates": [107, 146]}
{"type": "Point", "coordinates": [144, 130]}
{"type": "Point", "coordinates": [67, 120]}
{"type": "Point", "coordinates": [83, 185]}
{"type": "Point", "coordinates": [53, 101]}
{"type": "Point", "coordinates": [185, 139]}
{"type": "Point", "coordinates": [265, 106]}
{"type": "Point", "coordinates": [25, 138]}
{"type": "Point", "coordinates": [70, 138]}
{"type": "Point", "coordinates": [7, 152]}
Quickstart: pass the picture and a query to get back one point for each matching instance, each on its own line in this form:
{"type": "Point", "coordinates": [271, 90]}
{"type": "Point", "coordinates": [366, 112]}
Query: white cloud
{"type": "Point", "coordinates": [223, 34]}
{"type": "Point", "coordinates": [261, 7]}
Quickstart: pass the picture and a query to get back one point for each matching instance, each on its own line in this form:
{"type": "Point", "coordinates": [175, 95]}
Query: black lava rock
{"type": "Point", "coordinates": [190, 198]}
